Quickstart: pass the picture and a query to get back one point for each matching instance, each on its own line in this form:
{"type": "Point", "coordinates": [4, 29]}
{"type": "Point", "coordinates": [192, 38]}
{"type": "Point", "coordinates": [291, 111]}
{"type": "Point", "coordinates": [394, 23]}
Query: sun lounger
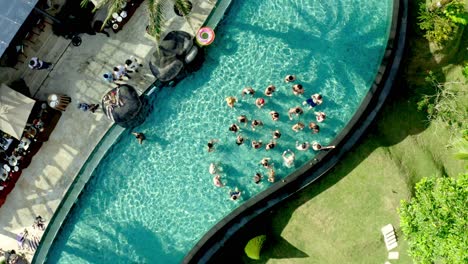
{"type": "Point", "coordinates": [390, 238]}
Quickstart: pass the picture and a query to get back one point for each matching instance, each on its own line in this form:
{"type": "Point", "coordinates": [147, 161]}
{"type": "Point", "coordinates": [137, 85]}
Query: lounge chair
{"type": "Point", "coordinates": [390, 238]}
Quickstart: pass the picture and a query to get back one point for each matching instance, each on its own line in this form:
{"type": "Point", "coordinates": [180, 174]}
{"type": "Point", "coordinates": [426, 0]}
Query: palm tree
{"type": "Point", "coordinates": [156, 12]}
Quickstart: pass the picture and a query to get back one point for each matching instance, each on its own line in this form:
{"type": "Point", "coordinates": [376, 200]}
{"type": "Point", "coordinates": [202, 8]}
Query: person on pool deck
{"type": "Point", "coordinates": [316, 146]}
{"type": "Point", "coordinates": [210, 145]}
{"type": "Point", "coordinates": [239, 140]}
{"type": "Point", "coordinates": [295, 111]}
{"type": "Point", "coordinates": [256, 123]}
{"type": "Point", "coordinates": [288, 158]}
{"type": "Point", "coordinates": [274, 115]}
{"type": "Point", "coordinates": [298, 89]}
{"type": "Point", "coordinates": [234, 128]}
{"type": "Point", "coordinates": [298, 127]}
{"type": "Point", "coordinates": [276, 134]}
{"type": "Point", "coordinates": [266, 163]}
{"type": "Point", "coordinates": [256, 144]}
{"type": "Point", "coordinates": [217, 181]}
{"type": "Point", "coordinates": [270, 90]}
{"type": "Point", "coordinates": [242, 119]}
{"type": "Point", "coordinates": [257, 178]}
{"type": "Point", "coordinates": [313, 101]}
{"type": "Point", "coordinates": [290, 78]}
{"type": "Point", "coordinates": [320, 116]}
{"type": "Point", "coordinates": [314, 127]}
{"type": "Point", "coordinates": [270, 145]}
{"type": "Point", "coordinates": [235, 194]}
{"type": "Point", "coordinates": [260, 102]}
{"type": "Point", "coordinates": [302, 146]}
{"type": "Point", "coordinates": [139, 136]}
{"type": "Point", "coordinates": [231, 101]}
{"type": "Point", "coordinates": [248, 90]}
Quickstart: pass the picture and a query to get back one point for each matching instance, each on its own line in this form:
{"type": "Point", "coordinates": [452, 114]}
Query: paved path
{"type": "Point", "coordinates": [76, 72]}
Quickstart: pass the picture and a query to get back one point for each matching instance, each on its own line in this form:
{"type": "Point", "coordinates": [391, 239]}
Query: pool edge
{"type": "Point", "coordinates": [388, 70]}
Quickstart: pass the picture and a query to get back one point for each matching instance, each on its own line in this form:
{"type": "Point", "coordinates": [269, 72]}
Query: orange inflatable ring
{"type": "Point", "coordinates": [205, 36]}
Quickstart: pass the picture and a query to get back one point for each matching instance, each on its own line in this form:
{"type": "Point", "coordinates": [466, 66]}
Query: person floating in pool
{"type": "Point", "coordinates": [257, 178]}
{"type": "Point", "coordinates": [234, 128]}
{"type": "Point", "coordinates": [270, 90]}
{"type": "Point", "coordinates": [248, 90]}
{"type": "Point", "coordinates": [266, 163]}
{"type": "Point", "coordinates": [289, 78]}
{"type": "Point", "coordinates": [270, 145]}
{"type": "Point", "coordinates": [235, 194]}
{"type": "Point", "coordinates": [271, 175]}
{"type": "Point", "coordinates": [298, 127]}
{"type": "Point", "coordinates": [217, 181]}
{"type": "Point", "coordinates": [295, 111]}
{"type": "Point", "coordinates": [297, 89]}
{"type": "Point", "coordinates": [274, 115]}
{"type": "Point", "coordinates": [313, 101]}
{"type": "Point", "coordinates": [239, 140]}
{"type": "Point", "coordinates": [256, 123]}
{"type": "Point", "coordinates": [317, 147]}
{"type": "Point", "coordinates": [320, 116]}
{"type": "Point", "coordinates": [211, 144]}
{"type": "Point", "coordinates": [256, 144]}
{"type": "Point", "coordinates": [288, 158]}
{"type": "Point", "coordinates": [242, 119]}
{"type": "Point", "coordinates": [276, 134]}
{"type": "Point", "coordinates": [139, 136]}
{"type": "Point", "coordinates": [231, 101]}
{"type": "Point", "coordinates": [213, 169]}
{"type": "Point", "coordinates": [302, 146]}
{"type": "Point", "coordinates": [314, 127]}
{"type": "Point", "coordinates": [260, 102]}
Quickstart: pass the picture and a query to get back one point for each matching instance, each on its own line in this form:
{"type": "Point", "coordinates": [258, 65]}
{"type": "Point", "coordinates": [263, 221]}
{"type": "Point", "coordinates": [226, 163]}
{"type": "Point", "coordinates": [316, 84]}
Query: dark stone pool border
{"type": "Point", "coordinates": [221, 234]}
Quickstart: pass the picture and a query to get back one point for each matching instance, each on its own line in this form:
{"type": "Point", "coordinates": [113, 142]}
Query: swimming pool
{"type": "Point", "coordinates": [153, 202]}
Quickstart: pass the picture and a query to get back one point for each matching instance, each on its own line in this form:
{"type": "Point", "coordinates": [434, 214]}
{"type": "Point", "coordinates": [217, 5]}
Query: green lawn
{"type": "Point", "coordinates": [338, 219]}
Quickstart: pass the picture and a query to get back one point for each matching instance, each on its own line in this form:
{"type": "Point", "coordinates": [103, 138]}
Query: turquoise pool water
{"type": "Point", "coordinates": [152, 203]}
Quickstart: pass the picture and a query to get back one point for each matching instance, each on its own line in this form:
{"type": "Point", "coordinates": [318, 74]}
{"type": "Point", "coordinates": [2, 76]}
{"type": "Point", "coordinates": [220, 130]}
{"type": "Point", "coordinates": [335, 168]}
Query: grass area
{"type": "Point", "coordinates": [338, 219]}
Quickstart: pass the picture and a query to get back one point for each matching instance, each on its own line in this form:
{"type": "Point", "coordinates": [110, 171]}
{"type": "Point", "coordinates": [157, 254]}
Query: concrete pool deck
{"type": "Point", "coordinates": [77, 72]}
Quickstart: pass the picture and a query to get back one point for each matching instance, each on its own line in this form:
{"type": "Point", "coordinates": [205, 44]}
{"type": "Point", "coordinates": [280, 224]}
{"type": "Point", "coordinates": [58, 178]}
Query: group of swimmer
{"type": "Point", "coordinates": [288, 155]}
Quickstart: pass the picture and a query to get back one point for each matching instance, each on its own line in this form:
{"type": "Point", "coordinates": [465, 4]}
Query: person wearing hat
{"type": "Point", "coordinates": [37, 64]}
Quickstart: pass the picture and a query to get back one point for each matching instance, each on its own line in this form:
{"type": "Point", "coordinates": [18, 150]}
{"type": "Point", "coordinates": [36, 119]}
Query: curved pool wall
{"type": "Point", "coordinates": [79, 183]}
{"type": "Point", "coordinates": [224, 233]}
{"type": "Point", "coordinates": [295, 182]}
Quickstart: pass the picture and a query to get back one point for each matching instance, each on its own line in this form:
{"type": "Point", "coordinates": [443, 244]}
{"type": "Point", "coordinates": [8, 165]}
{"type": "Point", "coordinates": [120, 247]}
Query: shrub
{"type": "Point", "coordinates": [441, 23]}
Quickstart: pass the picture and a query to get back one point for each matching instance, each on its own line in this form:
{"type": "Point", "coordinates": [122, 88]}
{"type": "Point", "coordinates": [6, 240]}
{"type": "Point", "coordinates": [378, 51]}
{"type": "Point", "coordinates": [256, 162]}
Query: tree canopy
{"type": "Point", "coordinates": [435, 220]}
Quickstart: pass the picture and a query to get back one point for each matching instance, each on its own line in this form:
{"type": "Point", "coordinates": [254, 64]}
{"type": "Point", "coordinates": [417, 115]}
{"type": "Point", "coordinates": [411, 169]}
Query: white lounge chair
{"type": "Point", "coordinates": [390, 238]}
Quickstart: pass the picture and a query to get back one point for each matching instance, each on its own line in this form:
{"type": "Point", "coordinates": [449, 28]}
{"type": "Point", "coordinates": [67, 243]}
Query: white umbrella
{"type": "Point", "coordinates": [15, 109]}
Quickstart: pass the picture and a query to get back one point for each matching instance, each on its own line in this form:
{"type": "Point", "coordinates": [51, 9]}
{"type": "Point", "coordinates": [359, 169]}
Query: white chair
{"type": "Point", "coordinates": [390, 239]}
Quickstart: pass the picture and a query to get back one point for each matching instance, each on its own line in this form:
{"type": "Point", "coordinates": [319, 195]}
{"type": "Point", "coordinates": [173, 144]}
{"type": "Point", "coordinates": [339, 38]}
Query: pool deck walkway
{"type": "Point", "coordinates": [77, 72]}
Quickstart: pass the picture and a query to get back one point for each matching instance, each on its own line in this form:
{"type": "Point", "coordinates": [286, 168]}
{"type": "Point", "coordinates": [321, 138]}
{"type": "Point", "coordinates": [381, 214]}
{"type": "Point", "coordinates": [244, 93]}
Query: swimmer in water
{"type": "Point", "coordinates": [213, 169]}
{"type": "Point", "coordinates": [210, 145]}
{"type": "Point", "coordinates": [270, 90]}
{"type": "Point", "coordinates": [276, 134]}
{"type": "Point", "coordinates": [295, 111]}
{"type": "Point", "coordinates": [288, 158]}
{"type": "Point", "coordinates": [266, 163]}
{"type": "Point", "coordinates": [248, 90]}
{"type": "Point", "coordinates": [235, 194]}
{"type": "Point", "coordinates": [289, 78]}
{"type": "Point", "coordinates": [217, 181]}
{"type": "Point", "coordinates": [274, 115]}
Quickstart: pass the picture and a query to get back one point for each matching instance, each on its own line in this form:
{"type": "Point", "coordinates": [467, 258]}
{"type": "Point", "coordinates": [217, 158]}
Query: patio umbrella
{"type": "Point", "coordinates": [15, 109]}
